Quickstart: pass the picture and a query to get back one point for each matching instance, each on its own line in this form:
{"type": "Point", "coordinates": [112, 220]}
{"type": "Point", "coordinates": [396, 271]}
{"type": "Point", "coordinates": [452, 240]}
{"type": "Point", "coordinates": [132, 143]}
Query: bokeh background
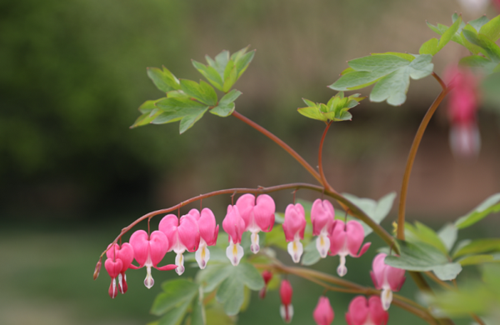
{"type": "Point", "coordinates": [72, 173]}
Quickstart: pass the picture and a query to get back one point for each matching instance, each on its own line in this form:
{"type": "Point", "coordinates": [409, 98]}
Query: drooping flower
{"type": "Point", "coordinates": [114, 267]}
{"type": "Point", "coordinates": [149, 251]}
{"type": "Point", "coordinates": [258, 216]}
{"type": "Point", "coordinates": [209, 230]}
{"type": "Point", "coordinates": [286, 308]}
{"type": "Point", "coordinates": [323, 219]}
{"type": "Point", "coordinates": [115, 253]}
{"type": "Point", "coordinates": [294, 227]}
{"type": "Point", "coordinates": [386, 278]}
{"type": "Point", "coordinates": [346, 239]}
{"type": "Point", "coordinates": [182, 235]}
{"type": "Point", "coordinates": [234, 225]}
{"type": "Point", "coordinates": [463, 103]}
{"type": "Point", "coordinates": [323, 313]}
{"type": "Point", "coordinates": [266, 276]}
{"type": "Point", "coordinates": [363, 312]}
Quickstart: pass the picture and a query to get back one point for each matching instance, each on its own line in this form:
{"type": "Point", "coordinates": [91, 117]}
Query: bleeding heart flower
{"type": "Point", "coordinates": [182, 236]}
{"type": "Point", "coordinates": [125, 254]}
{"type": "Point", "coordinates": [323, 313]}
{"type": "Point", "coordinates": [363, 312]}
{"type": "Point", "coordinates": [266, 276]}
{"type": "Point", "coordinates": [386, 278]}
{"type": "Point", "coordinates": [286, 308]}
{"type": "Point", "coordinates": [463, 103]}
{"type": "Point", "coordinates": [149, 251]}
{"type": "Point", "coordinates": [346, 239]}
{"type": "Point", "coordinates": [294, 227]}
{"type": "Point", "coordinates": [234, 225]}
{"type": "Point", "coordinates": [258, 216]}
{"type": "Point", "coordinates": [323, 219]}
{"type": "Point", "coordinates": [209, 230]}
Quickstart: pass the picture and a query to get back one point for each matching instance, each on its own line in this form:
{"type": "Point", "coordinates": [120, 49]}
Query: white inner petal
{"type": "Point", "coordinates": [202, 255]}
{"type": "Point", "coordinates": [323, 244]}
{"type": "Point", "coordinates": [295, 249]}
{"type": "Point", "coordinates": [149, 281]}
{"type": "Point", "coordinates": [179, 261]}
{"type": "Point", "coordinates": [342, 269]}
{"type": "Point", "coordinates": [254, 246]}
{"type": "Point", "coordinates": [386, 298]}
{"type": "Point", "coordinates": [234, 252]}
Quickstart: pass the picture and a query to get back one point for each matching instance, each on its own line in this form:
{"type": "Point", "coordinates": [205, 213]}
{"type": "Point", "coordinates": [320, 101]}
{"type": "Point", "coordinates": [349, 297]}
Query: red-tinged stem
{"type": "Point", "coordinates": [320, 157]}
{"type": "Point", "coordinates": [412, 155]}
{"type": "Point", "coordinates": [282, 144]}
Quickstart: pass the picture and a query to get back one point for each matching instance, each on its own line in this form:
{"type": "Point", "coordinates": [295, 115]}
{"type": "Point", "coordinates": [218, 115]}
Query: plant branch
{"type": "Point", "coordinates": [412, 155]}
{"type": "Point", "coordinates": [282, 144]}
{"type": "Point", "coordinates": [320, 157]}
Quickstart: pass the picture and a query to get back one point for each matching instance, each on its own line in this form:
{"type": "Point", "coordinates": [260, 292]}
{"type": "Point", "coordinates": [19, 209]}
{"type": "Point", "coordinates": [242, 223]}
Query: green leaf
{"type": "Point", "coordinates": [491, 29]}
{"type": "Point", "coordinates": [213, 275]}
{"type": "Point", "coordinates": [433, 46]}
{"type": "Point", "coordinates": [226, 104]}
{"type": "Point", "coordinates": [448, 271]}
{"type": "Point", "coordinates": [202, 91]}
{"type": "Point", "coordinates": [429, 47]}
{"type": "Point", "coordinates": [149, 113]}
{"type": "Point", "coordinates": [276, 237]}
{"type": "Point", "coordinates": [175, 292]}
{"type": "Point", "coordinates": [479, 246]}
{"type": "Point", "coordinates": [477, 61]}
{"type": "Point", "coordinates": [242, 62]}
{"type": "Point", "coordinates": [421, 257]}
{"type": "Point", "coordinates": [217, 316]}
{"type": "Point", "coordinates": [377, 211]}
{"type": "Point", "coordinates": [391, 73]}
{"type": "Point", "coordinates": [230, 76]}
{"type": "Point", "coordinates": [448, 235]}
{"type": "Point", "coordinates": [175, 109]}
{"type": "Point", "coordinates": [188, 121]}
{"type": "Point", "coordinates": [488, 47]}
{"type": "Point", "coordinates": [210, 74]}
{"type": "Point", "coordinates": [478, 23]}
{"type": "Point", "coordinates": [422, 233]}
{"type": "Point", "coordinates": [335, 110]}
{"type": "Point", "coordinates": [477, 259]}
{"type": "Point", "coordinates": [164, 80]}
{"type": "Point", "coordinates": [312, 113]}
{"type": "Point", "coordinates": [490, 205]}
{"type": "Point", "coordinates": [176, 315]}
{"type": "Point", "coordinates": [198, 314]}
{"type": "Point", "coordinates": [311, 255]}
{"type": "Point", "coordinates": [231, 290]}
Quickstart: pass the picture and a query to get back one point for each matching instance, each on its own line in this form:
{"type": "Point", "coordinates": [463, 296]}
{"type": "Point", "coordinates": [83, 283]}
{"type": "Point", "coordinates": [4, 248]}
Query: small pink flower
{"type": "Point", "coordinates": [363, 312]}
{"type": "Point", "coordinates": [125, 255]}
{"type": "Point", "coordinates": [266, 276]}
{"type": "Point", "coordinates": [386, 278]}
{"type": "Point", "coordinates": [463, 103]}
{"type": "Point", "coordinates": [149, 251]}
{"type": "Point", "coordinates": [182, 235]}
{"type": "Point", "coordinates": [323, 313]}
{"type": "Point", "coordinates": [258, 216]}
{"type": "Point", "coordinates": [346, 239]}
{"type": "Point", "coordinates": [209, 230]}
{"type": "Point", "coordinates": [234, 225]}
{"type": "Point", "coordinates": [114, 268]}
{"type": "Point", "coordinates": [294, 227]}
{"type": "Point", "coordinates": [323, 219]}
{"type": "Point", "coordinates": [286, 309]}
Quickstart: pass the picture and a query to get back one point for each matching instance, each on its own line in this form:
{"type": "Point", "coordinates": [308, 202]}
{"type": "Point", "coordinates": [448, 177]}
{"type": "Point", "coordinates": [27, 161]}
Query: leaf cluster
{"type": "Point", "coordinates": [335, 110]}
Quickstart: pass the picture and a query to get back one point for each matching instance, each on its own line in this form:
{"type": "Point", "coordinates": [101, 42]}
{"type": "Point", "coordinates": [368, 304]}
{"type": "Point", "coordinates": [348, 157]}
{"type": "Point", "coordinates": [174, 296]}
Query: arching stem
{"type": "Point", "coordinates": [320, 157]}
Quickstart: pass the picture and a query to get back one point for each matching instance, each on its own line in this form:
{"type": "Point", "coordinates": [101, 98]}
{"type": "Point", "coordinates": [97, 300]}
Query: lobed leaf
{"type": "Point", "coordinates": [488, 47]}
{"type": "Point", "coordinates": [448, 235]}
{"type": "Point", "coordinates": [335, 110]}
{"type": "Point", "coordinates": [478, 246]}
{"type": "Point", "coordinates": [311, 255]}
{"type": "Point", "coordinates": [422, 233]}
{"type": "Point", "coordinates": [226, 105]}
{"type": "Point", "coordinates": [488, 206]}
{"type": "Point", "coordinates": [175, 293]}
{"type": "Point", "coordinates": [491, 29]}
{"type": "Point", "coordinates": [202, 92]}
{"type": "Point", "coordinates": [164, 80]}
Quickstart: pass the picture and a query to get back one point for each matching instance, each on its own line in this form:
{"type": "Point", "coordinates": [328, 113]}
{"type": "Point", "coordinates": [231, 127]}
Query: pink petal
{"type": "Point", "coordinates": [167, 267]}
{"type": "Point", "coordinates": [323, 313]}
{"type": "Point", "coordinates": [295, 221]}
{"type": "Point", "coordinates": [194, 213]}
{"type": "Point", "coordinates": [378, 267]}
{"type": "Point", "coordinates": [245, 204]}
{"type": "Point", "coordinates": [377, 314]}
{"type": "Point", "coordinates": [286, 292]}
{"type": "Point", "coordinates": [358, 310]}
{"type": "Point", "coordinates": [207, 226]}
{"type": "Point", "coordinates": [158, 246]}
{"type": "Point", "coordinates": [126, 254]}
{"type": "Point", "coordinates": [264, 212]}
{"type": "Point", "coordinates": [322, 216]}
{"type": "Point", "coordinates": [337, 237]}
{"type": "Point", "coordinates": [233, 224]}
{"type": "Point", "coordinates": [189, 234]}
{"type": "Point", "coordinates": [395, 277]}
{"type": "Point", "coordinates": [113, 267]}
{"type": "Point", "coordinates": [140, 243]}
{"type": "Point", "coordinates": [355, 237]}
{"type": "Point", "coordinates": [168, 226]}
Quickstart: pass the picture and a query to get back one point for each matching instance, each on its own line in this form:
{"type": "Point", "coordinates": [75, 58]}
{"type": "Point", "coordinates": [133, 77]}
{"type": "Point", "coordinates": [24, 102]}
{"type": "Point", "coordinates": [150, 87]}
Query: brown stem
{"type": "Point", "coordinates": [281, 143]}
{"type": "Point", "coordinates": [413, 153]}
{"type": "Point", "coordinates": [320, 157]}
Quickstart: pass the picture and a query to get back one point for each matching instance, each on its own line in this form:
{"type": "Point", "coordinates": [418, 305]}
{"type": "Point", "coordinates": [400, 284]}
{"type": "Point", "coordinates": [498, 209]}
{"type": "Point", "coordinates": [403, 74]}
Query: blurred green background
{"type": "Point", "coordinates": [73, 73]}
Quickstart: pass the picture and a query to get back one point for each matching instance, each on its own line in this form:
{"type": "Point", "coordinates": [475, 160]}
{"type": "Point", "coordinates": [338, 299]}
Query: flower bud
{"type": "Point", "coordinates": [286, 309]}
{"type": "Point", "coordinates": [323, 313]}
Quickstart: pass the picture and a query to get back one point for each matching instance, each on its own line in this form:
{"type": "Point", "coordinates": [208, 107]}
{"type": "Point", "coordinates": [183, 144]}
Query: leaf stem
{"type": "Point", "coordinates": [281, 143]}
{"type": "Point", "coordinates": [320, 157]}
{"type": "Point", "coordinates": [411, 157]}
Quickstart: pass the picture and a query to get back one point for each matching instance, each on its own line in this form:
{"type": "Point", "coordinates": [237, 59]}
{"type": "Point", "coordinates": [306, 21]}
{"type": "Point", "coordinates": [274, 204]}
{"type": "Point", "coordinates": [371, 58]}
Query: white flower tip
{"type": "Point", "coordinates": [323, 245]}
{"type": "Point", "coordinates": [286, 313]}
{"type": "Point", "coordinates": [342, 269]}
{"type": "Point", "coordinates": [179, 261]}
{"type": "Point", "coordinates": [295, 249]}
{"type": "Point", "coordinates": [254, 247]}
{"type": "Point", "coordinates": [234, 253]}
{"type": "Point", "coordinates": [149, 281]}
{"type": "Point", "coordinates": [202, 256]}
{"type": "Point", "coordinates": [386, 297]}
